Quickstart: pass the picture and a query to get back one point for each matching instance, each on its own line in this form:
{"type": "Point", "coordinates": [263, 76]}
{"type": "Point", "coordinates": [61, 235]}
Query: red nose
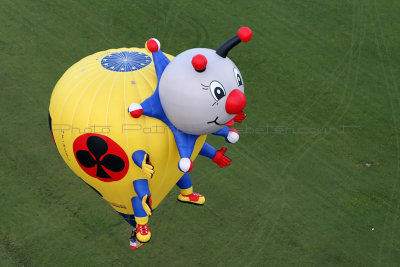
{"type": "Point", "coordinates": [236, 102]}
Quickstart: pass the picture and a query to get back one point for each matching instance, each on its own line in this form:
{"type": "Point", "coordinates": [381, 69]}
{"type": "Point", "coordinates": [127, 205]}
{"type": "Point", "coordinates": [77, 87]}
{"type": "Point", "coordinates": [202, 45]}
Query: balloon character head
{"type": "Point", "coordinates": [209, 90]}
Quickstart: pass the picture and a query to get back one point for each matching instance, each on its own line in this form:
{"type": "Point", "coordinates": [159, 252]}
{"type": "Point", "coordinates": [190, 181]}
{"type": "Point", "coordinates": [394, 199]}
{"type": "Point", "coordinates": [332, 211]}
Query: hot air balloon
{"type": "Point", "coordinates": [130, 122]}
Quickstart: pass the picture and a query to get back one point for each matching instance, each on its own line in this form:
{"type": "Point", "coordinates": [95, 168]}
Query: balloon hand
{"type": "Point", "coordinates": [147, 204]}
{"type": "Point", "coordinates": [147, 167]}
{"type": "Point", "coordinates": [239, 117]}
{"type": "Point", "coordinates": [220, 159]}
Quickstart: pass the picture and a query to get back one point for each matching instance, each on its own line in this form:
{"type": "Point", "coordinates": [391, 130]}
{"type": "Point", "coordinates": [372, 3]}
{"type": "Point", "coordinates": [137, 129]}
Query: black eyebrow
{"type": "Point", "coordinates": [205, 87]}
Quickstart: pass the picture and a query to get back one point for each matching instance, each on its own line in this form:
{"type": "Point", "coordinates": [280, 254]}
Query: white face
{"type": "Point", "coordinates": [194, 101]}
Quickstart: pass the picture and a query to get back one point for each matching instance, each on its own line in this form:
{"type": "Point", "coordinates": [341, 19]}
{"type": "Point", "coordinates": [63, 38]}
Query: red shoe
{"type": "Point", "coordinates": [143, 233]}
{"type": "Point", "coordinates": [133, 242]}
{"type": "Point", "coordinates": [193, 198]}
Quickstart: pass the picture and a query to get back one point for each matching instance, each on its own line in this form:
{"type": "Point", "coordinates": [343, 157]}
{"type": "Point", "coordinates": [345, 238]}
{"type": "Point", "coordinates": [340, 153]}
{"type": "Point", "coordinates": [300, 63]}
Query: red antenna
{"type": "Point", "coordinates": [244, 34]}
{"type": "Point", "coordinates": [199, 62]}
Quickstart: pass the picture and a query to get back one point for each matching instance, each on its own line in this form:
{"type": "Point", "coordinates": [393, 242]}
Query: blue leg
{"type": "Point", "coordinates": [184, 182]}
{"type": "Point", "coordinates": [187, 195]}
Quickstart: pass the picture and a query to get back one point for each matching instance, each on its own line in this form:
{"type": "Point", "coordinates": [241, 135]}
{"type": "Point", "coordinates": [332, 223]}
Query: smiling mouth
{"type": "Point", "coordinates": [215, 121]}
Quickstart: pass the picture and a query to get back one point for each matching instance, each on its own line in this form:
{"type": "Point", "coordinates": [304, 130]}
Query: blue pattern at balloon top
{"type": "Point", "coordinates": [125, 61]}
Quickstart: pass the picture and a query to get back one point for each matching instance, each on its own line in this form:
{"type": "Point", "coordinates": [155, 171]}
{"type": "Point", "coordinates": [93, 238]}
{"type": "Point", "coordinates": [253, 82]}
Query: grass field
{"type": "Point", "coordinates": [315, 177]}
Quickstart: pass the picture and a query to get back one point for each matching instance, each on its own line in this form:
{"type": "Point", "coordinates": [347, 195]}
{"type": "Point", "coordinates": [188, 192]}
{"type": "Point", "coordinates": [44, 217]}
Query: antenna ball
{"type": "Point", "coordinates": [245, 34]}
{"type": "Point", "coordinates": [153, 45]}
{"type": "Point", "coordinates": [199, 62]}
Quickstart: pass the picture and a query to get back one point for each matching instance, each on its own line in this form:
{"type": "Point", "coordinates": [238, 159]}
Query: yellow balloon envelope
{"type": "Point", "coordinates": [96, 135]}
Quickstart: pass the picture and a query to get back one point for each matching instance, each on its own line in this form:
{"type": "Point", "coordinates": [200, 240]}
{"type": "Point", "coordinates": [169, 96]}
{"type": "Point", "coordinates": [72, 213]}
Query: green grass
{"type": "Point", "coordinates": [297, 193]}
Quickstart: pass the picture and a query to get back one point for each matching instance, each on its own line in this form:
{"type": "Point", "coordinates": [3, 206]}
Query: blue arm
{"type": "Point", "coordinates": [223, 132]}
{"type": "Point", "coordinates": [141, 187]}
{"type": "Point", "coordinates": [208, 151]}
{"type": "Point", "coordinates": [138, 157]}
{"type": "Point", "coordinates": [231, 135]}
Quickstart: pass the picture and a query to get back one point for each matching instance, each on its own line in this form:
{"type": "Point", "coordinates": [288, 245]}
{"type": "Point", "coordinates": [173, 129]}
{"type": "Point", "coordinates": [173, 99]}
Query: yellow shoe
{"type": "Point", "coordinates": [143, 233]}
{"type": "Point", "coordinates": [193, 198]}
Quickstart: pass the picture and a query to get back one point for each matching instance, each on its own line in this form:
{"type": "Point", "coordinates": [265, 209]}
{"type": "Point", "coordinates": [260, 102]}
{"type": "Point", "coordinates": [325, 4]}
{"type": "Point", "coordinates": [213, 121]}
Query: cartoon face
{"type": "Point", "coordinates": [201, 101]}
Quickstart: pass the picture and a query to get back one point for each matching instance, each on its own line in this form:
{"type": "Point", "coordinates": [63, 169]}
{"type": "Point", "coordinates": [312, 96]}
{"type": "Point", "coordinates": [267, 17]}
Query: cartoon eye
{"type": "Point", "coordinates": [217, 90]}
{"type": "Point", "coordinates": [238, 77]}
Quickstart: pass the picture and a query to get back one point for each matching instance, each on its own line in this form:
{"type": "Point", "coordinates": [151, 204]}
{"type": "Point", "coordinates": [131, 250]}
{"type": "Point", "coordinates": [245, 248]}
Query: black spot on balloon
{"type": "Point", "coordinates": [85, 158]}
{"type": "Point", "coordinates": [101, 173]}
{"type": "Point", "coordinates": [97, 148]}
{"type": "Point", "coordinates": [113, 163]}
